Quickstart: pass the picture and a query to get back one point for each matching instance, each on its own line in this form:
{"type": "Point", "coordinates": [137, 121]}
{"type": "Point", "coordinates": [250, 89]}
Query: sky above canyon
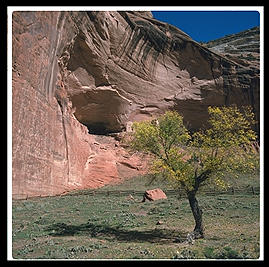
{"type": "Point", "coordinates": [203, 26]}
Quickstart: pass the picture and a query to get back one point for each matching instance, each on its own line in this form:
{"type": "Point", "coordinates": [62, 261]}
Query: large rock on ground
{"type": "Point", "coordinates": [154, 194]}
{"type": "Point", "coordinates": [80, 72]}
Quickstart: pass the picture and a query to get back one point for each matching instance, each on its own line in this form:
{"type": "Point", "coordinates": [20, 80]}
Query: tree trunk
{"type": "Point", "coordinates": [198, 231]}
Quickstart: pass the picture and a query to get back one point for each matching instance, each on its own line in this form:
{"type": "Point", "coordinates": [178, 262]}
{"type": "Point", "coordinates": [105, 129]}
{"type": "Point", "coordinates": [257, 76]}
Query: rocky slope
{"type": "Point", "coordinates": [80, 75]}
{"type": "Point", "coordinates": [242, 47]}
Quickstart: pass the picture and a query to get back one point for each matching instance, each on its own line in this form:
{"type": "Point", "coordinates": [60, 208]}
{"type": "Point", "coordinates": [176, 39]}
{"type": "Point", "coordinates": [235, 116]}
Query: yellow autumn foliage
{"type": "Point", "coordinates": [206, 156]}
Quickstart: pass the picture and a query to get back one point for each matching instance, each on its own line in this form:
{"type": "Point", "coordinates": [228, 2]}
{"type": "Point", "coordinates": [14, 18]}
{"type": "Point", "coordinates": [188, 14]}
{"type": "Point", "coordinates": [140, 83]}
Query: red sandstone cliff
{"type": "Point", "coordinates": [103, 70]}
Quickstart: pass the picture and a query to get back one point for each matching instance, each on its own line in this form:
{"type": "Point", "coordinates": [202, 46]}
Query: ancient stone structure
{"type": "Point", "coordinates": [77, 76]}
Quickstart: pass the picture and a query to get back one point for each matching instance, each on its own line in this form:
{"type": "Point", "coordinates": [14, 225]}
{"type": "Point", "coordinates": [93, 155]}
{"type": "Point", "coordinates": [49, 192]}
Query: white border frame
{"type": "Point", "coordinates": [11, 9]}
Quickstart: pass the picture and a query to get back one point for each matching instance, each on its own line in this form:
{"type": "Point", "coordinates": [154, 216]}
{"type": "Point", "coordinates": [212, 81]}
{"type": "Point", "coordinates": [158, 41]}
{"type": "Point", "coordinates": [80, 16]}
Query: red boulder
{"type": "Point", "coordinates": [154, 194]}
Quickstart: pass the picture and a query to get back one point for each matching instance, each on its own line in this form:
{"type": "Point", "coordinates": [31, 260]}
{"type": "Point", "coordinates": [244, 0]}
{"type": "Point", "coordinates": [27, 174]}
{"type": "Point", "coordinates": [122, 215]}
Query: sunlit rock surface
{"type": "Point", "coordinates": [77, 76]}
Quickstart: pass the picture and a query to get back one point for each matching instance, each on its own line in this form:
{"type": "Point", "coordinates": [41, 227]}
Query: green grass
{"type": "Point", "coordinates": [101, 226]}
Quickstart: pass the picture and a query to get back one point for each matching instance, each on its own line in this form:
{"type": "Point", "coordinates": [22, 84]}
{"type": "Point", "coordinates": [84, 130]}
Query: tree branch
{"type": "Point", "coordinates": [201, 178]}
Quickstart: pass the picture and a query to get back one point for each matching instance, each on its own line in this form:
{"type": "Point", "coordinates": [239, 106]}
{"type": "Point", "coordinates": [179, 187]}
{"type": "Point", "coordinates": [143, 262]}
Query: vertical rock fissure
{"type": "Point", "coordinates": [65, 139]}
{"type": "Point", "coordinates": [56, 37]}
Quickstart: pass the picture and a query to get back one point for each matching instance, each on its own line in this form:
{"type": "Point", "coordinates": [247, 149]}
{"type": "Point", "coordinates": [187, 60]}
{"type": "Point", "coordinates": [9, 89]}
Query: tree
{"type": "Point", "coordinates": [205, 157]}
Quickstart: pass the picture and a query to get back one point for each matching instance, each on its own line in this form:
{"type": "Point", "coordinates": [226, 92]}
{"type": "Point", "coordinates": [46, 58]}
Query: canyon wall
{"type": "Point", "coordinates": [78, 76]}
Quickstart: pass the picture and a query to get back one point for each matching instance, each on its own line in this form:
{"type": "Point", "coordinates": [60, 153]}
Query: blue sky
{"type": "Point", "coordinates": [209, 25]}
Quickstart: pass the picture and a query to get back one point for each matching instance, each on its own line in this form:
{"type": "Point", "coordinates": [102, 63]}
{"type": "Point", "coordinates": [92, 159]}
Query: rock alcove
{"type": "Point", "coordinates": [103, 70]}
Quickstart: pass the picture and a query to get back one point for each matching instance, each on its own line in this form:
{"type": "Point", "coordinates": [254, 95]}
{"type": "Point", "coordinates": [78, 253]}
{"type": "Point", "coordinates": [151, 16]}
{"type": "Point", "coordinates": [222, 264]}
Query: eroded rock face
{"type": "Point", "coordinates": [52, 152]}
{"type": "Point", "coordinates": [75, 73]}
{"type": "Point", "coordinates": [242, 47]}
{"type": "Point", "coordinates": [127, 66]}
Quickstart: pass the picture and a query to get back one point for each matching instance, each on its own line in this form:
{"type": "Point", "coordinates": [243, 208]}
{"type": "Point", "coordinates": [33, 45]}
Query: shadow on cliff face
{"type": "Point", "coordinates": [115, 233]}
{"type": "Point", "coordinates": [98, 128]}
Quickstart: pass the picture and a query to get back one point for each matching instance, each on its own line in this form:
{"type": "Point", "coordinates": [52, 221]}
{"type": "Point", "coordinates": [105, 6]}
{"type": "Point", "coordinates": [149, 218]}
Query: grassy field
{"type": "Point", "coordinates": [117, 226]}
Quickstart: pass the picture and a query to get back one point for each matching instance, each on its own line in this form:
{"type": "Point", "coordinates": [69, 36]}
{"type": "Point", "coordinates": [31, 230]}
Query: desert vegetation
{"type": "Point", "coordinates": [96, 225]}
{"type": "Point", "coordinates": [113, 223]}
{"type": "Point", "coordinates": [207, 156]}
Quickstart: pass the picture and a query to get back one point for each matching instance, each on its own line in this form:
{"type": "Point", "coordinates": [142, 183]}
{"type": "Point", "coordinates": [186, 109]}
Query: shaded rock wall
{"type": "Point", "coordinates": [80, 72]}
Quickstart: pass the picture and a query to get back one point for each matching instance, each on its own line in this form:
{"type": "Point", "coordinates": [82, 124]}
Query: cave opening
{"type": "Point", "coordinates": [99, 128]}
